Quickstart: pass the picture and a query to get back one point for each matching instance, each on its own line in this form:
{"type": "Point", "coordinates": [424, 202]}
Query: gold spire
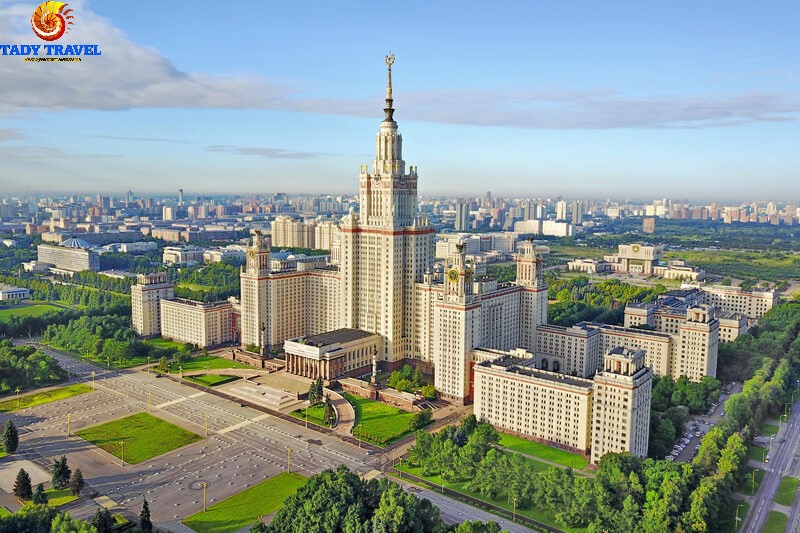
{"type": "Point", "coordinates": [388, 109]}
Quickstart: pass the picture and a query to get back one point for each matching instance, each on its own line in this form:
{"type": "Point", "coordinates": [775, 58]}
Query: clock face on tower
{"type": "Point", "coordinates": [452, 275]}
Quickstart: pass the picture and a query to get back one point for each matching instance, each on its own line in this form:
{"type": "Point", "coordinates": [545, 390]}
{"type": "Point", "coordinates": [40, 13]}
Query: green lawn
{"type": "Point", "coordinates": [243, 509]}
{"type": "Point", "coordinates": [316, 415]}
{"type": "Point", "coordinates": [542, 451]}
{"type": "Point", "coordinates": [725, 522]}
{"type": "Point", "coordinates": [145, 437]}
{"type": "Point", "coordinates": [164, 343]}
{"type": "Point", "coordinates": [207, 362]}
{"type": "Point", "coordinates": [58, 497]}
{"type": "Point", "coordinates": [378, 423]}
{"type": "Point", "coordinates": [4, 512]}
{"type": "Point", "coordinates": [769, 429]}
{"type": "Point", "coordinates": [776, 522]}
{"type": "Point", "coordinates": [7, 312]}
{"type": "Point", "coordinates": [786, 490]}
{"type": "Point", "coordinates": [3, 453]}
{"type": "Point", "coordinates": [746, 486]}
{"type": "Point", "coordinates": [44, 397]}
{"type": "Point", "coordinates": [211, 380]}
{"type": "Point", "coordinates": [546, 517]}
{"type": "Point", "coordinates": [756, 453]}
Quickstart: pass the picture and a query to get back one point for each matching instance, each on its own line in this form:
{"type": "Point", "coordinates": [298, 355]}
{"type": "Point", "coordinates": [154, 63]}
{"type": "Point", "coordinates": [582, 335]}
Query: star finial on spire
{"type": "Point", "coordinates": [388, 109]}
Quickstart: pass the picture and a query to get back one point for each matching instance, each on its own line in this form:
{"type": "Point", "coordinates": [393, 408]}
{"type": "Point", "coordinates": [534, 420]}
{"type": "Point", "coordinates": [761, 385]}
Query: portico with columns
{"type": "Point", "coordinates": [334, 354]}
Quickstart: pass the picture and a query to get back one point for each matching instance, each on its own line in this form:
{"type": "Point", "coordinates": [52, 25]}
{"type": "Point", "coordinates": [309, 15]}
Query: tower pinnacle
{"type": "Point", "coordinates": [388, 109]}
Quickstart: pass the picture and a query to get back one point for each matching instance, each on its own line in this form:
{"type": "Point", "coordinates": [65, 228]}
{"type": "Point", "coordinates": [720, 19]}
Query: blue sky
{"type": "Point", "coordinates": [581, 99]}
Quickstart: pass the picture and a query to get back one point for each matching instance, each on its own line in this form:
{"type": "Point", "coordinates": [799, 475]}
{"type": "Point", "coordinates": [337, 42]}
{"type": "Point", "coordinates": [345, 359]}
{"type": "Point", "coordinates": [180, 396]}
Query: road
{"type": "Point", "coordinates": [782, 462]}
{"type": "Point", "coordinates": [244, 446]}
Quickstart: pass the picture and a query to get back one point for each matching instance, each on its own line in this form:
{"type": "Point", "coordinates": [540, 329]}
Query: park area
{"type": "Point", "coordinates": [378, 423]}
{"type": "Point", "coordinates": [145, 436]}
{"type": "Point", "coordinates": [547, 453]}
{"type": "Point", "coordinates": [22, 310]}
{"type": "Point", "coordinates": [245, 508]}
{"type": "Point", "coordinates": [207, 362]}
{"type": "Point", "coordinates": [40, 398]}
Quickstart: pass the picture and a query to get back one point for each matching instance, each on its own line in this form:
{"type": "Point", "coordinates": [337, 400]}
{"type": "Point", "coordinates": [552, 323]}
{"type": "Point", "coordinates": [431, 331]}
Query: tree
{"type": "Point", "coordinates": [315, 392]}
{"type": "Point", "coordinates": [163, 366]}
{"type": "Point", "coordinates": [10, 437]}
{"type": "Point", "coordinates": [420, 419]}
{"type": "Point", "coordinates": [103, 521]}
{"type": "Point", "coordinates": [64, 523]}
{"type": "Point", "coordinates": [22, 486]}
{"type": "Point", "coordinates": [428, 392]}
{"type": "Point", "coordinates": [39, 497]}
{"type": "Point", "coordinates": [60, 473]}
{"type": "Point", "coordinates": [144, 518]}
{"type": "Point", "coordinates": [330, 412]}
{"type": "Point", "coordinates": [76, 482]}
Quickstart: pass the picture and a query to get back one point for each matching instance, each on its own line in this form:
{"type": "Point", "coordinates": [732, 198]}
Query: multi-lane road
{"type": "Point", "coordinates": [783, 461]}
{"type": "Point", "coordinates": [243, 447]}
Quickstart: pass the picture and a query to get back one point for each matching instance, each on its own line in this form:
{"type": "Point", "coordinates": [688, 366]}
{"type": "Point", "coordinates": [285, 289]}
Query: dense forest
{"type": "Point", "coordinates": [26, 368]}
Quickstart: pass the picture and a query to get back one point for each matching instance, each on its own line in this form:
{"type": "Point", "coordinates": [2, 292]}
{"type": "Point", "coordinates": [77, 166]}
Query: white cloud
{"type": "Point", "coordinates": [129, 75]}
{"type": "Point", "coordinates": [270, 153]}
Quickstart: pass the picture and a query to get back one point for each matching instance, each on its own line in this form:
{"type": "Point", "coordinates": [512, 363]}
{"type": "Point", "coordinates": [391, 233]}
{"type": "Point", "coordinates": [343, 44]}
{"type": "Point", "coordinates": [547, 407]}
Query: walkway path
{"type": "Point", "coordinates": [347, 415]}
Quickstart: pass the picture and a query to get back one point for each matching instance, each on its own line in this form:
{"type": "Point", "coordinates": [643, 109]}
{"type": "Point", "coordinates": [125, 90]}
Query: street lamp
{"type": "Point", "coordinates": [204, 484]}
{"type": "Point", "coordinates": [93, 387]}
{"type": "Point", "coordinates": [17, 391]}
{"type": "Point", "coordinates": [180, 368]}
{"type": "Point", "coordinates": [514, 515]}
{"type": "Point", "coordinates": [442, 482]}
{"type": "Point", "coordinates": [360, 431]}
{"type": "Point", "coordinates": [770, 443]}
{"type": "Point", "coordinates": [288, 459]}
{"type": "Point", "coordinates": [148, 364]}
{"type": "Point", "coordinates": [737, 519]}
{"type": "Point", "coordinates": [122, 453]}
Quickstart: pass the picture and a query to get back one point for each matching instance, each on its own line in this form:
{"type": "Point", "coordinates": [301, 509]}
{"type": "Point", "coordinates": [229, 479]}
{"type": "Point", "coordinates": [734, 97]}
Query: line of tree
{"type": "Point", "coordinates": [23, 326]}
{"type": "Point", "coordinates": [219, 281]}
{"type": "Point", "coordinates": [25, 367]}
{"type": "Point", "coordinates": [339, 500]}
{"type": "Point", "coordinates": [73, 294]}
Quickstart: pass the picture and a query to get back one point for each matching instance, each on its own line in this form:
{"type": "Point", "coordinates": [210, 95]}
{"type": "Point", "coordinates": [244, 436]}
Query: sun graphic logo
{"type": "Point", "coordinates": [50, 20]}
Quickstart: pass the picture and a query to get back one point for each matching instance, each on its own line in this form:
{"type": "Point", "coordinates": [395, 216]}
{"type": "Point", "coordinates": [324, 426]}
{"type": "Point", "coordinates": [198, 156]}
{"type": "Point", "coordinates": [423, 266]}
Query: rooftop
{"type": "Point", "coordinates": [333, 337]}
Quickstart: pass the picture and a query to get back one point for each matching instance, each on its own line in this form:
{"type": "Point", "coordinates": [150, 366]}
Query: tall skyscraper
{"type": "Point", "coordinates": [577, 213]}
{"type": "Point", "coordinates": [388, 246]}
{"type": "Point", "coordinates": [462, 216]}
{"type": "Point", "coordinates": [180, 196]}
{"type": "Point", "coordinates": [561, 210]}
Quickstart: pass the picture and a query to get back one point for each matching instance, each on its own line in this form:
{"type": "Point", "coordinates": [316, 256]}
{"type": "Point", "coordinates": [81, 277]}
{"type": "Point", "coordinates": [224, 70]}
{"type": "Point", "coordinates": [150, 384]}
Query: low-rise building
{"type": "Point", "coordinates": [9, 293]}
{"type": "Point", "coordinates": [334, 354]}
{"type": "Point", "coordinates": [73, 255]}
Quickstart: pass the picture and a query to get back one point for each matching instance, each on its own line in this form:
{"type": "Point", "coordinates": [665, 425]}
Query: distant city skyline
{"type": "Point", "coordinates": [580, 101]}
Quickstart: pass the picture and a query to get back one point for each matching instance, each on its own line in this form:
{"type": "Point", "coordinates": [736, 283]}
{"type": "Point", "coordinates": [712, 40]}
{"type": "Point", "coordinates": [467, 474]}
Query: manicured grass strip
{"type": "Point", "coordinates": [4, 512]}
{"type": "Point", "coordinates": [243, 509]}
{"type": "Point", "coordinates": [501, 500]}
{"type": "Point", "coordinates": [746, 486]}
{"type": "Point", "coordinates": [769, 429]}
{"type": "Point", "coordinates": [379, 423]}
{"type": "Point", "coordinates": [145, 437]}
{"type": "Point", "coordinates": [26, 310]}
{"type": "Point", "coordinates": [44, 397]}
{"type": "Point", "coordinates": [164, 343]}
{"type": "Point", "coordinates": [756, 453]}
{"type": "Point", "coordinates": [542, 451]}
{"type": "Point", "coordinates": [786, 490]}
{"type": "Point", "coordinates": [316, 415]}
{"type": "Point", "coordinates": [207, 362]}
{"type": "Point", "coordinates": [3, 453]}
{"type": "Point", "coordinates": [211, 380]}
{"type": "Point", "coordinates": [56, 498]}
{"type": "Point", "coordinates": [776, 522]}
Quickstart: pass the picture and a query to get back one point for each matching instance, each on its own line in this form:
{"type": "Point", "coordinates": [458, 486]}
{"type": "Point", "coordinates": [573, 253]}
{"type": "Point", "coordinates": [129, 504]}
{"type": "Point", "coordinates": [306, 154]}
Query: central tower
{"type": "Point", "coordinates": [388, 246]}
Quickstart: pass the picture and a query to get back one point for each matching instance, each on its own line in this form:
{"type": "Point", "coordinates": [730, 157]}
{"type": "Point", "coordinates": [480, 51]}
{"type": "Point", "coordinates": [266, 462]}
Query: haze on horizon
{"type": "Point", "coordinates": [585, 100]}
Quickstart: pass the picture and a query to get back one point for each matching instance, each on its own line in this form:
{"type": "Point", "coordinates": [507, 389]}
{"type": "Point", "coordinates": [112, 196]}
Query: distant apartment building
{"type": "Point", "coordinates": [146, 296]}
{"type": "Point", "coordinates": [649, 225]}
{"type": "Point", "coordinates": [9, 293]}
{"type": "Point", "coordinates": [313, 234]}
{"type": "Point", "coordinates": [73, 255]}
{"type": "Point", "coordinates": [753, 304]}
{"type": "Point", "coordinates": [180, 255]}
{"type": "Point", "coordinates": [199, 323]}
